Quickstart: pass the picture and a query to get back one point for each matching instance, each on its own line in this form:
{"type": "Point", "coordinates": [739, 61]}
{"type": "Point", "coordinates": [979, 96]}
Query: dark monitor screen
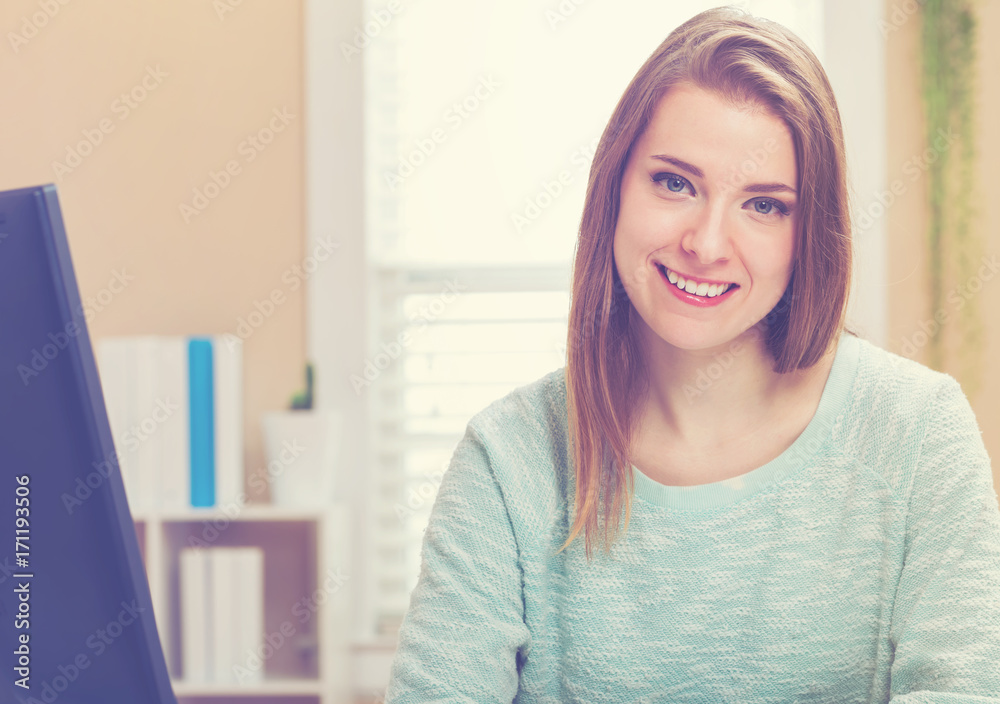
{"type": "Point", "coordinates": [76, 619]}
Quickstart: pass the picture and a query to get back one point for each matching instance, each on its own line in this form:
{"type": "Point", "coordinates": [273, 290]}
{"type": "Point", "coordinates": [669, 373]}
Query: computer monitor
{"type": "Point", "coordinates": [76, 618]}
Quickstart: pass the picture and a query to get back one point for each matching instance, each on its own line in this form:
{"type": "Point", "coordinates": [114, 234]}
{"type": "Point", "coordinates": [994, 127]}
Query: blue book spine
{"type": "Point", "coordinates": [202, 415]}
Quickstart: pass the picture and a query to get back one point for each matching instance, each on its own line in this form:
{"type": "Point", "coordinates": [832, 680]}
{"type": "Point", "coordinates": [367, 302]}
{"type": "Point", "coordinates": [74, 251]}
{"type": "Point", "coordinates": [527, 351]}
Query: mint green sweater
{"type": "Point", "coordinates": [860, 565]}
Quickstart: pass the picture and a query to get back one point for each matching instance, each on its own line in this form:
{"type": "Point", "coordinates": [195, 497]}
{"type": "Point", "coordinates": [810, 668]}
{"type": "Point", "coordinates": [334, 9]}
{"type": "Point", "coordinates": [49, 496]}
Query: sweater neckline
{"type": "Point", "coordinates": [836, 394]}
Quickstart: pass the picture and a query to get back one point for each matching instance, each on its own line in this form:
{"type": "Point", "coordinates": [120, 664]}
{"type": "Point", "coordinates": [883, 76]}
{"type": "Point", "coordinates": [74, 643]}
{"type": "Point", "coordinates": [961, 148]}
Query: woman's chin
{"type": "Point", "coordinates": [700, 338]}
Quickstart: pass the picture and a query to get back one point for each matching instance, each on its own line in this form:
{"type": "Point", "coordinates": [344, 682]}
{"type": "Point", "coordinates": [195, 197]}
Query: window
{"type": "Point", "coordinates": [466, 338]}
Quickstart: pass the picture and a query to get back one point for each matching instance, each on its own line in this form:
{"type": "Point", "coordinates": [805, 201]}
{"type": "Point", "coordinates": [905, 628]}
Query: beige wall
{"type": "Point", "coordinates": [907, 218]}
{"type": "Point", "coordinates": [223, 78]}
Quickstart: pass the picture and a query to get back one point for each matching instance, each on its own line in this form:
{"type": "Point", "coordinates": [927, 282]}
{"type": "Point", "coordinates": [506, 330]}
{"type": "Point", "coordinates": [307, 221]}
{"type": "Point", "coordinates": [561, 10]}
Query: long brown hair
{"type": "Point", "coordinates": [747, 61]}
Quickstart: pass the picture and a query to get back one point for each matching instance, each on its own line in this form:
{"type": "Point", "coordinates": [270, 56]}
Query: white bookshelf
{"type": "Point", "coordinates": [304, 552]}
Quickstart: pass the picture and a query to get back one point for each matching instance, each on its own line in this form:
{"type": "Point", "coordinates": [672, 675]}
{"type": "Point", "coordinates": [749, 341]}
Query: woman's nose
{"type": "Point", "coordinates": [707, 235]}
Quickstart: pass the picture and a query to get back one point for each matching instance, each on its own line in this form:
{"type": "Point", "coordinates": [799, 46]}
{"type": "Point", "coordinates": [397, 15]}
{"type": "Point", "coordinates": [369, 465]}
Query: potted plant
{"type": "Point", "coordinates": [301, 445]}
{"type": "Point", "coordinates": [303, 400]}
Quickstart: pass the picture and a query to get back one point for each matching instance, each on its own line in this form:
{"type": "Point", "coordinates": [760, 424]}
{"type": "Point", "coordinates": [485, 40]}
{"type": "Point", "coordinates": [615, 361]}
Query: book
{"type": "Point", "coordinates": [115, 369]}
{"type": "Point", "coordinates": [202, 422]}
{"type": "Point", "coordinates": [228, 392]}
{"type": "Point", "coordinates": [251, 615]}
{"type": "Point", "coordinates": [196, 635]}
{"type": "Point", "coordinates": [237, 614]}
{"type": "Point", "coordinates": [175, 478]}
{"type": "Point", "coordinates": [144, 435]}
{"type": "Point", "coordinates": [225, 613]}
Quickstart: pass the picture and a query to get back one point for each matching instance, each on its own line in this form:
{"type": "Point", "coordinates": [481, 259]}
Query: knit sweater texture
{"type": "Point", "coordinates": [860, 565]}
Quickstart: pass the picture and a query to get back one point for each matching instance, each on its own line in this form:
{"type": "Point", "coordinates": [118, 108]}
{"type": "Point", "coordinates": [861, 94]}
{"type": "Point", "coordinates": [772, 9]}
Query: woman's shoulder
{"type": "Point", "coordinates": [895, 398]}
{"type": "Point", "coordinates": [535, 402]}
{"type": "Point", "coordinates": [905, 379]}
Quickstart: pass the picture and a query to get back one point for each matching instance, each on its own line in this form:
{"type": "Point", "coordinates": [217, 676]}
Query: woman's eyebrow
{"type": "Point", "coordinates": [749, 188]}
{"type": "Point", "coordinates": [690, 168]}
{"type": "Point", "coordinates": [768, 188]}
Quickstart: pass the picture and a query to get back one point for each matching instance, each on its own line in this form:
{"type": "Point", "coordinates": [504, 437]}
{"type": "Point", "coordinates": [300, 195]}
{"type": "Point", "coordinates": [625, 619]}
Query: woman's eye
{"type": "Point", "coordinates": [672, 182]}
{"type": "Point", "coordinates": [768, 206]}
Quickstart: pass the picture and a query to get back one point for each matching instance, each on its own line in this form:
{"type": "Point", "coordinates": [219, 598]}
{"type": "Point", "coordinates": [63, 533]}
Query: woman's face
{"type": "Point", "coordinates": [707, 201]}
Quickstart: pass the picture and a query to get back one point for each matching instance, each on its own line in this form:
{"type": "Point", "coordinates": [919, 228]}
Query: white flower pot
{"type": "Point", "coordinates": [301, 449]}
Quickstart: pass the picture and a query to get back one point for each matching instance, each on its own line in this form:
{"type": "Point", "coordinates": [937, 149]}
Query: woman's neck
{"type": "Point", "coordinates": [703, 398]}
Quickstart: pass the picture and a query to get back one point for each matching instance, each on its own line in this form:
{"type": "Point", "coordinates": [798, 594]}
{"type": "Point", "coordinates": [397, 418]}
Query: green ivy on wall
{"type": "Point", "coordinates": [953, 252]}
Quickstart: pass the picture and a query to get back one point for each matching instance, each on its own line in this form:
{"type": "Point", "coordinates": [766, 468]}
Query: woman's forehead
{"type": "Point", "coordinates": [704, 129]}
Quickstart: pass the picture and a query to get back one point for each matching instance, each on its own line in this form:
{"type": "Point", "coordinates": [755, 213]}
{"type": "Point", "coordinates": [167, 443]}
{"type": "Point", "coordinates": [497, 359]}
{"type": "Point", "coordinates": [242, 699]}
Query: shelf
{"type": "Point", "coordinates": [249, 512]}
{"type": "Point", "coordinates": [305, 551]}
{"type": "Point", "coordinates": [265, 688]}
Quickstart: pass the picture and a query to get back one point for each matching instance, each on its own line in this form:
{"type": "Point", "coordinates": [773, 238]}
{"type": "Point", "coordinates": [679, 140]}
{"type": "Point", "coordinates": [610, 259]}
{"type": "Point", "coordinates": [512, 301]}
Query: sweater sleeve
{"type": "Point", "coordinates": [461, 636]}
{"type": "Point", "coordinates": [946, 620]}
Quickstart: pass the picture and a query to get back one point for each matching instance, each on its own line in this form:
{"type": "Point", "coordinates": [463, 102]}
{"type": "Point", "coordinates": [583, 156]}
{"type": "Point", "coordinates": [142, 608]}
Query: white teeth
{"type": "Point", "coordinates": [699, 289]}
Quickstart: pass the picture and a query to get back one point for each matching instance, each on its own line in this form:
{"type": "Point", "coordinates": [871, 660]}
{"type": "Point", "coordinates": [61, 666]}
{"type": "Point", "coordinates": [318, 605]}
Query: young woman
{"type": "Point", "coordinates": [806, 516]}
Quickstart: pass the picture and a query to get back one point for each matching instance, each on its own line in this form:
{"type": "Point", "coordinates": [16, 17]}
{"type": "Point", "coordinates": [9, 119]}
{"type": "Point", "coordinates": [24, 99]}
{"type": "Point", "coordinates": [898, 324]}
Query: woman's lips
{"type": "Point", "coordinates": [706, 299]}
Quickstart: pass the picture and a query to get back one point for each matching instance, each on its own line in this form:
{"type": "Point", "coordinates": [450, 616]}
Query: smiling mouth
{"type": "Point", "coordinates": [696, 288]}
